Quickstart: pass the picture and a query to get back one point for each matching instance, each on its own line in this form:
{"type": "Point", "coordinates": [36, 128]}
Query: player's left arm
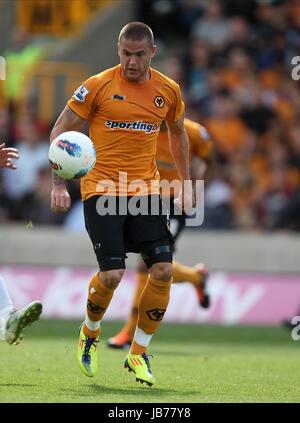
{"type": "Point", "coordinates": [179, 147]}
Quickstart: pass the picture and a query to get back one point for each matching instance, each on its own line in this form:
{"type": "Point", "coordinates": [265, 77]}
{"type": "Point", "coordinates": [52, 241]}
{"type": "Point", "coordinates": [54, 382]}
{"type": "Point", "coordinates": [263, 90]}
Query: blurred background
{"type": "Point", "coordinates": [236, 62]}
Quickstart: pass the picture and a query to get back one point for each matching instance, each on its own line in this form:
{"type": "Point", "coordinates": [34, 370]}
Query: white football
{"type": "Point", "coordinates": [72, 155]}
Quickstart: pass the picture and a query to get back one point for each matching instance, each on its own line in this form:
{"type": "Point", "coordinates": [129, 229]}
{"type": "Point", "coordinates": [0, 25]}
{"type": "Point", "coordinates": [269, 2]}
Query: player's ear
{"type": "Point", "coordinates": [119, 49]}
{"type": "Point", "coordinates": [153, 51]}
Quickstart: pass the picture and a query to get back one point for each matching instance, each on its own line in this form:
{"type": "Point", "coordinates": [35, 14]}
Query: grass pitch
{"type": "Point", "coordinates": [192, 363]}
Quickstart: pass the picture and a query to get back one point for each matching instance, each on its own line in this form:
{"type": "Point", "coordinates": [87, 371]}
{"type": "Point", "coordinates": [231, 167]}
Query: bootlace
{"type": "Point", "coordinates": [89, 342]}
{"type": "Point", "coordinates": [146, 358]}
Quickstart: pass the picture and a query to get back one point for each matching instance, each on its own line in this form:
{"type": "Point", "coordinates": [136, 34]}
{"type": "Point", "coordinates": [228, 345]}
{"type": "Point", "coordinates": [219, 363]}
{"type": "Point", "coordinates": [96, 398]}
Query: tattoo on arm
{"type": "Point", "coordinates": [57, 180]}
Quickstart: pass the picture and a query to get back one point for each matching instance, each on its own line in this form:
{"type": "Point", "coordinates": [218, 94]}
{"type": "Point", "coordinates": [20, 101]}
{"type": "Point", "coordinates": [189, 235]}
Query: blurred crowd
{"type": "Point", "coordinates": [236, 63]}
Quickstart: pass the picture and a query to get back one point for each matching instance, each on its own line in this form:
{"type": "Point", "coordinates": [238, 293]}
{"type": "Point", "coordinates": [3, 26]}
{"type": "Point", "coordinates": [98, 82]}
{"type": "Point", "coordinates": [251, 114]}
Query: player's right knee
{"type": "Point", "coordinates": [112, 278]}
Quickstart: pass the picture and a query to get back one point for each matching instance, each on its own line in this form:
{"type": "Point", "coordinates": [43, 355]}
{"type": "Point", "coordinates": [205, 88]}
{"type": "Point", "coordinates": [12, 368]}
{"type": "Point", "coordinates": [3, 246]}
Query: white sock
{"type": "Point", "coordinates": [142, 338]}
{"type": "Point", "coordinates": [90, 324]}
{"type": "Point", "coordinates": [6, 305]}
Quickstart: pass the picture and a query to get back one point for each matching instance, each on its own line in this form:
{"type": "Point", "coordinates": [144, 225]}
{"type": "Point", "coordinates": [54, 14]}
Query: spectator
{"type": "Point", "coordinates": [33, 156]}
{"type": "Point", "coordinates": [34, 205]}
{"type": "Point", "coordinates": [225, 126]}
{"type": "Point", "coordinates": [197, 71]}
{"type": "Point", "coordinates": [217, 203]}
{"type": "Point", "coordinates": [213, 28]}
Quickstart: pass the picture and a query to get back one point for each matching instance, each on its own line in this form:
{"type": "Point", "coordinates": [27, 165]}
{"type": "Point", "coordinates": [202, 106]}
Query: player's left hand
{"type": "Point", "coordinates": [186, 197]}
{"type": "Point", "coordinates": [7, 155]}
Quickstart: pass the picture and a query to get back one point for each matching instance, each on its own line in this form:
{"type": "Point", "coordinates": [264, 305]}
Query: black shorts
{"type": "Point", "coordinates": [114, 235]}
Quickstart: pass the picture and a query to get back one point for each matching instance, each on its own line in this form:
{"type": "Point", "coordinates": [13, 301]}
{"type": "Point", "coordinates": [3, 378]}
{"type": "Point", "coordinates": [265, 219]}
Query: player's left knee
{"type": "Point", "coordinates": [162, 271]}
{"type": "Point", "coordinates": [141, 267]}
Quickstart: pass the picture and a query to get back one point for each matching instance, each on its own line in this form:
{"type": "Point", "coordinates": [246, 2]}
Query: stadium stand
{"type": "Point", "coordinates": [238, 82]}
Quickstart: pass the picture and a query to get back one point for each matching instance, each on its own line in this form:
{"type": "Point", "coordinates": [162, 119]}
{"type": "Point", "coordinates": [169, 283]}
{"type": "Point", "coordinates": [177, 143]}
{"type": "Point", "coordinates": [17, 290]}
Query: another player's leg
{"type": "Point", "coordinates": [152, 306]}
{"type": "Point", "coordinates": [14, 321]}
{"type": "Point", "coordinates": [101, 290]}
{"type": "Point", "coordinates": [123, 338]}
{"type": "Point", "coordinates": [196, 275]}
{"type": "Point", "coordinates": [20, 319]}
{"type": "Point", "coordinates": [6, 308]}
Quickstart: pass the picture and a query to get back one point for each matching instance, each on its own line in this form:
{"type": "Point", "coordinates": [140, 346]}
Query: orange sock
{"type": "Point", "coordinates": [183, 273]}
{"type": "Point", "coordinates": [130, 325]}
{"type": "Point", "coordinates": [152, 306]}
{"type": "Point", "coordinates": [99, 297]}
{"type": "Point", "coordinates": [137, 349]}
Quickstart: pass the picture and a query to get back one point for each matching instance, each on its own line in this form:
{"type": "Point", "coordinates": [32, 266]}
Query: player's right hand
{"type": "Point", "coordinates": [60, 199]}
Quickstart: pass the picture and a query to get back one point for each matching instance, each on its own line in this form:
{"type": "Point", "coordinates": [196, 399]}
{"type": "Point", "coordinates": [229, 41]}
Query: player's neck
{"type": "Point", "coordinates": [145, 78]}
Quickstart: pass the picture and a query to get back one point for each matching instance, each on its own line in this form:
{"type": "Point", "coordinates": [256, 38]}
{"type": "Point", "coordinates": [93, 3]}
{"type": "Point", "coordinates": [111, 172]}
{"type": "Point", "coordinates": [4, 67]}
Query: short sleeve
{"type": "Point", "coordinates": [82, 100]}
{"type": "Point", "coordinates": [177, 107]}
{"type": "Point", "coordinates": [202, 143]}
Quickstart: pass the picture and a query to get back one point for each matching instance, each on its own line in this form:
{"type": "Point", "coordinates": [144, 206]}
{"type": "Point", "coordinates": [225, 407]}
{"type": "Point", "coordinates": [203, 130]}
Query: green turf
{"type": "Point", "coordinates": [192, 363]}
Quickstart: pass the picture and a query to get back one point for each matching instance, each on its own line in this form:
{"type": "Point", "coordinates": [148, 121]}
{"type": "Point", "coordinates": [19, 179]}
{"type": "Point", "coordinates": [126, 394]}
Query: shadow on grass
{"type": "Point", "coordinates": [149, 394]}
{"type": "Point", "coordinates": [176, 353]}
{"type": "Point", "coordinates": [86, 391]}
{"type": "Point", "coordinates": [6, 385]}
{"type": "Point", "coordinates": [129, 391]}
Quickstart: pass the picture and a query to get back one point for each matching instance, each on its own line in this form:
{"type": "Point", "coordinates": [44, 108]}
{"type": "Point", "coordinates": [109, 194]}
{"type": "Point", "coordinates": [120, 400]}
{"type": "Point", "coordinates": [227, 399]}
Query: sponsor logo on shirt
{"type": "Point", "coordinates": [133, 126]}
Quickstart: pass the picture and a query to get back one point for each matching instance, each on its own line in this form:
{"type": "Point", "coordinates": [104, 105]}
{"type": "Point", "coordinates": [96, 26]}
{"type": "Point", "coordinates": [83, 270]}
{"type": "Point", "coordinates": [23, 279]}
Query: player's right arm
{"type": "Point", "coordinates": [67, 121]}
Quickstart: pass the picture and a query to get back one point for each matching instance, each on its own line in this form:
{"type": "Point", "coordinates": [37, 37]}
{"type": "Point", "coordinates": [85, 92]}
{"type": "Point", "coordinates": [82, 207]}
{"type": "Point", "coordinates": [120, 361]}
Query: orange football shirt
{"type": "Point", "coordinates": [124, 120]}
{"type": "Point", "coordinates": [200, 146]}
